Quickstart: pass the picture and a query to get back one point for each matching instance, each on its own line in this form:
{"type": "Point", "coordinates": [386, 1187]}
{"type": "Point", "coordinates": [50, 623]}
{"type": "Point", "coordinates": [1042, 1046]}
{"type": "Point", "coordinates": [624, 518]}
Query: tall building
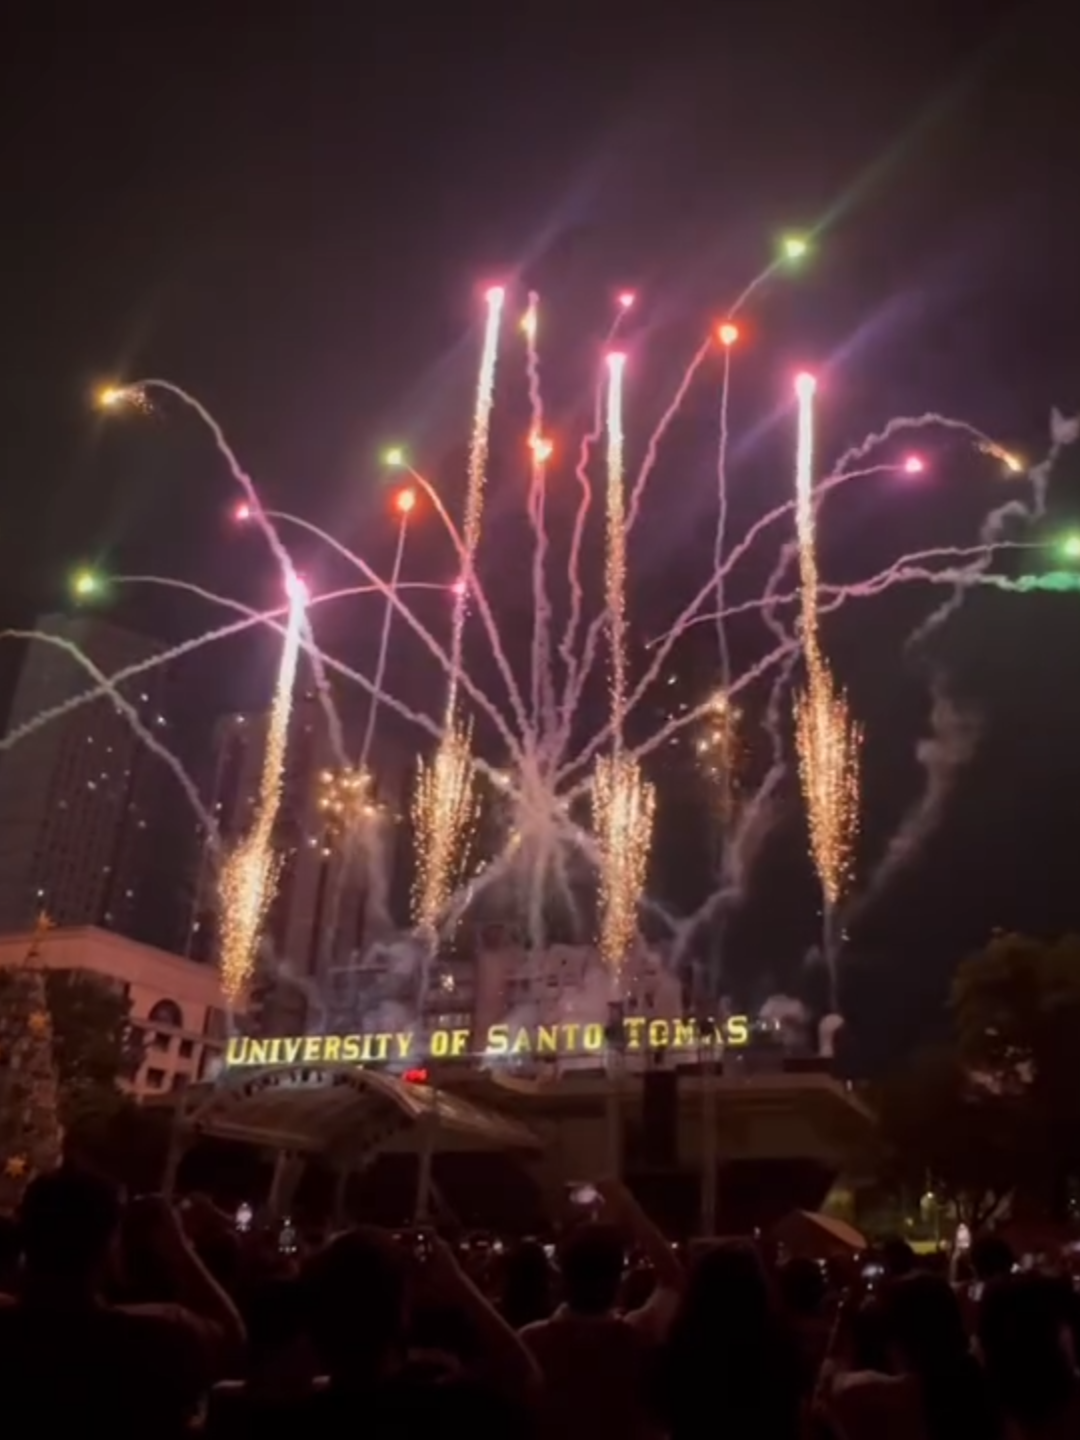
{"type": "Point", "coordinates": [337, 837]}
{"type": "Point", "coordinates": [78, 795]}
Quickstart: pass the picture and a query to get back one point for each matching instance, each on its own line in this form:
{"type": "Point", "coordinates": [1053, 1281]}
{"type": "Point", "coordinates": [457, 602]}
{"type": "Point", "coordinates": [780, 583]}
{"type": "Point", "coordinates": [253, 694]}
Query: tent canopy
{"type": "Point", "coordinates": [345, 1114]}
{"type": "Point", "coordinates": [817, 1236]}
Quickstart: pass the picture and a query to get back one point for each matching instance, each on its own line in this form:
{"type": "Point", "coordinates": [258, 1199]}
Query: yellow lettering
{"type": "Point", "coordinates": [331, 1049]}
{"type": "Point", "coordinates": [659, 1034]}
{"type": "Point", "coordinates": [236, 1050]}
{"type": "Point", "coordinates": [365, 1049]}
{"type": "Point", "coordinates": [258, 1052]}
{"type": "Point", "coordinates": [547, 1039]}
{"type": "Point", "coordinates": [593, 1038]}
{"type": "Point", "coordinates": [292, 1048]}
{"type": "Point", "coordinates": [570, 1035]}
{"type": "Point", "coordinates": [522, 1042]}
{"type": "Point", "coordinates": [350, 1049]}
{"type": "Point", "coordinates": [403, 1039]}
{"type": "Point", "coordinates": [459, 1042]}
{"type": "Point", "coordinates": [685, 1035]}
{"type": "Point", "coordinates": [312, 1049]}
{"type": "Point", "coordinates": [440, 1044]}
{"type": "Point", "coordinates": [275, 1051]}
{"type": "Point", "coordinates": [633, 1028]}
{"type": "Point", "coordinates": [382, 1045]}
{"type": "Point", "coordinates": [737, 1030]}
{"type": "Point", "coordinates": [498, 1039]}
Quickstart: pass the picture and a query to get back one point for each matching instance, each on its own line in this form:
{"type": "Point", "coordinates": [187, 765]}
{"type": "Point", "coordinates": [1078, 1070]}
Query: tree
{"type": "Point", "coordinates": [30, 1133]}
{"type": "Point", "coordinates": [95, 1045]}
{"type": "Point", "coordinates": [945, 1134]}
{"type": "Point", "coordinates": [1017, 1012]}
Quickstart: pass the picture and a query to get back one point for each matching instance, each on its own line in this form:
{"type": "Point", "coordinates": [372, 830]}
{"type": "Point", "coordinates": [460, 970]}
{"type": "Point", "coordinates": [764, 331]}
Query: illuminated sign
{"type": "Point", "coordinates": [406, 1047]}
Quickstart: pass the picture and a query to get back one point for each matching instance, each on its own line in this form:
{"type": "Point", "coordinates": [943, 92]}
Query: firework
{"type": "Point", "coordinates": [615, 558]}
{"type": "Point", "coordinates": [623, 804]}
{"type": "Point", "coordinates": [478, 458]}
{"type": "Point", "coordinates": [444, 813]}
{"type": "Point", "coordinates": [829, 743]}
{"type": "Point", "coordinates": [827, 738]}
{"type": "Point", "coordinates": [719, 751]}
{"type": "Point", "coordinates": [249, 873]}
{"type": "Point", "coordinates": [345, 802]}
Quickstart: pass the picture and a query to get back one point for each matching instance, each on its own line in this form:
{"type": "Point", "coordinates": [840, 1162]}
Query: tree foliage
{"type": "Point", "coordinates": [943, 1133]}
{"type": "Point", "coordinates": [996, 1111]}
{"type": "Point", "coordinates": [95, 1045]}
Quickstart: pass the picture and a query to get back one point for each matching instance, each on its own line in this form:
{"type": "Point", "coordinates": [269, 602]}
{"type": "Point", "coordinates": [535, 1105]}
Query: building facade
{"type": "Point", "coordinates": [176, 1004]}
{"type": "Point", "coordinates": [78, 795]}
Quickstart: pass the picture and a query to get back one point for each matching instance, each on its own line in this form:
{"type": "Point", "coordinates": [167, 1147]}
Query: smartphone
{"type": "Point", "coordinates": [287, 1241]}
{"type": "Point", "coordinates": [244, 1216]}
{"type": "Point", "coordinates": [584, 1194]}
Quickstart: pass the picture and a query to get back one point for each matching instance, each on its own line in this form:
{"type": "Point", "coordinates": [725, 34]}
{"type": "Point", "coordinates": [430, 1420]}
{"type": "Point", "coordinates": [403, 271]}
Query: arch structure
{"type": "Point", "coordinates": [345, 1116]}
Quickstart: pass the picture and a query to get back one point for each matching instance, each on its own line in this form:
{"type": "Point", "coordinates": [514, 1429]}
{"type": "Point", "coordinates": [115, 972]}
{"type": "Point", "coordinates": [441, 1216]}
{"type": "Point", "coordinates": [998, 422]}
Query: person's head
{"type": "Point", "coordinates": [526, 1284]}
{"type": "Point", "coordinates": [591, 1261]}
{"type": "Point", "coordinates": [802, 1287]}
{"type": "Point", "coordinates": [866, 1336]}
{"type": "Point", "coordinates": [991, 1258]}
{"type": "Point", "coordinates": [899, 1259]}
{"type": "Point", "coordinates": [67, 1223]}
{"type": "Point", "coordinates": [924, 1323]}
{"type": "Point", "coordinates": [355, 1293]}
{"type": "Point", "coordinates": [1022, 1331]}
{"type": "Point", "coordinates": [727, 1294]}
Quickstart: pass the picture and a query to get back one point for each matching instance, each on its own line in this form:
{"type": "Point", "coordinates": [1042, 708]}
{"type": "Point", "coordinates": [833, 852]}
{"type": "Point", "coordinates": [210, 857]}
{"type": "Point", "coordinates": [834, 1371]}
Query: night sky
{"type": "Point", "coordinates": [296, 217]}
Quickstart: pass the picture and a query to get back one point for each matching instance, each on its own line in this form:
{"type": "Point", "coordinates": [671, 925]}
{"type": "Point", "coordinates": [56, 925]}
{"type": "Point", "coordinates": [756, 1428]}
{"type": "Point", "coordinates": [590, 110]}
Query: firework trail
{"type": "Point", "coordinates": [108, 687]}
{"type": "Point", "coordinates": [135, 394]}
{"type": "Point", "coordinates": [543, 692]}
{"type": "Point", "coordinates": [477, 479]}
{"type": "Point", "coordinates": [405, 504]}
{"type": "Point", "coordinates": [444, 813]}
{"type": "Point", "coordinates": [1063, 433]}
{"type": "Point", "coordinates": [827, 740]}
{"type": "Point", "coordinates": [249, 873]}
{"type": "Point", "coordinates": [581, 474]}
{"type": "Point", "coordinates": [623, 802]}
{"type": "Point", "coordinates": [728, 336]}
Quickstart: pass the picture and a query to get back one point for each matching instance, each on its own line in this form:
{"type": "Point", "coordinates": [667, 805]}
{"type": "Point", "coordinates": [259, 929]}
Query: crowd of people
{"type": "Point", "coordinates": [142, 1319]}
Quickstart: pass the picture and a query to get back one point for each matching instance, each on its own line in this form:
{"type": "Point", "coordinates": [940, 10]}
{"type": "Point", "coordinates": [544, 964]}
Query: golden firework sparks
{"type": "Point", "coordinates": [615, 556]}
{"type": "Point", "coordinates": [719, 751]}
{"type": "Point", "coordinates": [827, 738]}
{"type": "Point", "coordinates": [624, 804]}
{"type": "Point", "coordinates": [346, 803]}
{"type": "Point", "coordinates": [829, 743]}
{"type": "Point", "coordinates": [249, 874]}
{"type": "Point", "coordinates": [444, 813]}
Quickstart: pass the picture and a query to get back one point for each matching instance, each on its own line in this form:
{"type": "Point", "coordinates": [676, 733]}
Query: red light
{"type": "Point", "coordinates": [728, 334]}
{"type": "Point", "coordinates": [405, 500]}
{"type": "Point", "coordinates": [416, 1077]}
{"type": "Point", "coordinates": [242, 512]}
{"type": "Point", "coordinates": [914, 465]}
{"type": "Point", "coordinates": [626, 300]}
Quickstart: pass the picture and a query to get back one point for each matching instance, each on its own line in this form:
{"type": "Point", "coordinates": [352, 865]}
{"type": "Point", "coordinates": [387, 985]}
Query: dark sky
{"type": "Point", "coordinates": [295, 217]}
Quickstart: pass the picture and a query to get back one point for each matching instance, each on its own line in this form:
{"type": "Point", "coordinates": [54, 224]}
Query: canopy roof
{"type": "Point", "coordinates": [346, 1114]}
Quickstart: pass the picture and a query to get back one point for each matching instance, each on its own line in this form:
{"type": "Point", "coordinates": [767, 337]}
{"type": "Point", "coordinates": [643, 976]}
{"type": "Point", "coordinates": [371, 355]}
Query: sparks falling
{"type": "Point", "coordinates": [624, 804]}
{"type": "Point", "coordinates": [249, 874]}
{"type": "Point", "coordinates": [719, 752]}
{"type": "Point", "coordinates": [444, 813]}
{"type": "Point", "coordinates": [623, 801]}
{"type": "Point", "coordinates": [827, 738]}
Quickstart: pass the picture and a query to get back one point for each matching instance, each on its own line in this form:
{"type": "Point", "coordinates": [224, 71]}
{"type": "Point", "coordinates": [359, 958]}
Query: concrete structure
{"type": "Point", "coordinates": [566, 984]}
{"type": "Point", "coordinates": [176, 1003]}
{"type": "Point", "coordinates": [77, 796]}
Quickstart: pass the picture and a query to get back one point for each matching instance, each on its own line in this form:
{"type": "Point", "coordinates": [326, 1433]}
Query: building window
{"type": "Point", "coordinates": [155, 1079]}
{"type": "Point", "coordinates": [187, 1049]}
{"type": "Point", "coordinates": [167, 1012]}
{"type": "Point", "coordinates": [179, 1080]}
{"type": "Point", "coordinates": [158, 1041]}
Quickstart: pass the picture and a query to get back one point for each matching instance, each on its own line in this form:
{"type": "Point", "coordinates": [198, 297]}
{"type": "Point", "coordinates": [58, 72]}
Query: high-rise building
{"type": "Point", "coordinates": [78, 794]}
